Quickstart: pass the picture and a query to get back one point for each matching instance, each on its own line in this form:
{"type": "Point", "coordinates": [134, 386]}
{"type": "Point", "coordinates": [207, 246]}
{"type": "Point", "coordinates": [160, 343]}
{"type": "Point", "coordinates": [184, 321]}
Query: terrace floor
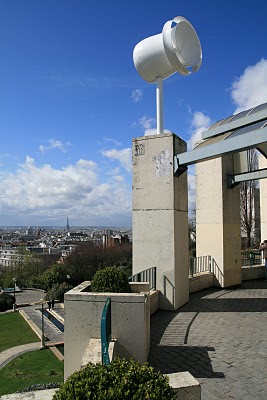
{"type": "Point", "coordinates": [220, 337]}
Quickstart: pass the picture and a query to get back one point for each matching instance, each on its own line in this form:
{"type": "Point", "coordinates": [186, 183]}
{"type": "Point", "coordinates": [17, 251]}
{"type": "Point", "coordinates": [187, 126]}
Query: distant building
{"type": "Point", "coordinates": [117, 240]}
{"type": "Point", "coordinates": [108, 232]}
{"type": "Point", "coordinates": [10, 257]}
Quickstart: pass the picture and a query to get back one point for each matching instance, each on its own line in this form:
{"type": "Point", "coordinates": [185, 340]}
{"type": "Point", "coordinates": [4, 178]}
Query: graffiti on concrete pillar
{"type": "Point", "coordinates": [163, 163]}
{"type": "Point", "coordinates": [139, 149]}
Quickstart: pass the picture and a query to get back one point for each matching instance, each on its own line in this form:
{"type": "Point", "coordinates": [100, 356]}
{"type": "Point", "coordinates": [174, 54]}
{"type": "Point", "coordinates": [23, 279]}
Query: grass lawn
{"type": "Point", "coordinates": [39, 366]}
{"type": "Point", "coordinates": [14, 330]}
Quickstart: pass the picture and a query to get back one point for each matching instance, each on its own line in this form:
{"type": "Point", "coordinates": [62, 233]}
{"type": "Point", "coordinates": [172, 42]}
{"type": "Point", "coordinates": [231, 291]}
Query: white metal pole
{"type": "Point", "coordinates": [159, 94]}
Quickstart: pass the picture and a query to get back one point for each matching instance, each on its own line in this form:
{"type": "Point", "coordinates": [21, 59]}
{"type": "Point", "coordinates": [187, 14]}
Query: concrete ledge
{"type": "Point", "coordinates": [255, 272]}
{"type": "Point", "coordinates": [31, 323]}
{"type": "Point", "coordinates": [93, 352]}
{"type": "Point", "coordinates": [57, 353]}
{"type": "Point", "coordinates": [203, 280]}
{"type": "Point", "coordinates": [185, 386]}
{"type": "Point", "coordinates": [57, 316]}
{"type": "Point", "coordinates": [81, 292]}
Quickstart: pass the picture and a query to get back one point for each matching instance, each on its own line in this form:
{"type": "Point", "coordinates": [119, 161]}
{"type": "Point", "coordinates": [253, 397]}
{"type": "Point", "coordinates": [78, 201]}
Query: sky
{"type": "Point", "coordinates": [71, 100]}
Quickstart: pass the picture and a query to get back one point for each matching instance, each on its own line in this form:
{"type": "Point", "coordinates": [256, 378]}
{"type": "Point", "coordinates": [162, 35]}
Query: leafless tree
{"type": "Point", "coordinates": [247, 201]}
{"type": "Point", "coordinates": [192, 232]}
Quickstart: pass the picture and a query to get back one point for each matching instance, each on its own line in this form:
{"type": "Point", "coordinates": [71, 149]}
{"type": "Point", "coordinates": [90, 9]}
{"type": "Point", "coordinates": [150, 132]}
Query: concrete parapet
{"type": "Point", "coordinates": [255, 272]}
{"type": "Point", "coordinates": [185, 386]}
{"type": "Point", "coordinates": [130, 324]}
{"type": "Point", "coordinates": [203, 280]}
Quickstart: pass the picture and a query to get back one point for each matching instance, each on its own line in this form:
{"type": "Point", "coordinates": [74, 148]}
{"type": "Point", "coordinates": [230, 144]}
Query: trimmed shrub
{"type": "Point", "coordinates": [112, 280]}
{"type": "Point", "coordinates": [121, 380]}
{"type": "Point", "coordinates": [6, 301]}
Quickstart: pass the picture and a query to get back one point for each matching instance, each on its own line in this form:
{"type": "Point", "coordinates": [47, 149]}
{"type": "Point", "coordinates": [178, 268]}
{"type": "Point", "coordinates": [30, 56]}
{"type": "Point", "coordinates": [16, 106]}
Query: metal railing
{"type": "Point", "coordinates": [106, 331]}
{"type": "Point", "coordinates": [250, 258]}
{"type": "Point", "coordinates": [148, 275]}
{"type": "Point", "coordinates": [199, 264]}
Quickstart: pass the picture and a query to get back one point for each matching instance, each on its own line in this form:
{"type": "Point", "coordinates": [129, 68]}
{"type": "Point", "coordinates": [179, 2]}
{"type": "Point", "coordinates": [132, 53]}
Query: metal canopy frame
{"type": "Point", "coordinates": [244, 131]}
{"type": "Point", "coordinates": [233, 180]}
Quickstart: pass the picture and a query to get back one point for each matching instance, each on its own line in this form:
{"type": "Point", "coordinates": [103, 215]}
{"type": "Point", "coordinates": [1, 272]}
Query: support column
{"type": "Point", "coordinates": [160, 216]}
{"type": "Point", "coordinates": [218, 230]}
{"type": "Point", "coordinates": [263, 200]}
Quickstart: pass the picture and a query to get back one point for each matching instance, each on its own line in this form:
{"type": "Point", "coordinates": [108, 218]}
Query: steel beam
{"type": "Point", "coordinates": [233, 180]}
{"type": "Point", "coordinates": [236, 144]}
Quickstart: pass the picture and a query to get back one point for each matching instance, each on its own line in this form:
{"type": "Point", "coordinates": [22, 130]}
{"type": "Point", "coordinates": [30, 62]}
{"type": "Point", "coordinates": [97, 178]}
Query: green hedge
{"type": "Point", "coordinates": [121, 380]}
{"type": "Point", "coordinates": [112, 280]}
{"type": "Point", "coordinates": [6, 301]}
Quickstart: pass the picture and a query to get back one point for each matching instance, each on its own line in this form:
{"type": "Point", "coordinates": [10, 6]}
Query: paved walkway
{"type": "Point", "coordinates": [53, 334]}
{"type": "Point", "coordinates": [37, 395]}
{"type": "Point", "coordinates": [7, 355]}
{"type": "Point", "coordinates": [220, 337]}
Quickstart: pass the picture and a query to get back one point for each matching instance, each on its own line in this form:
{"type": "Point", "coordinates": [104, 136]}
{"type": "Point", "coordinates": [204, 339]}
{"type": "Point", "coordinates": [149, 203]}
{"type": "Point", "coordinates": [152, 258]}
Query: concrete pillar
{"type": "Point", "coordinates": [263, 200]}
{"type": "Point", "coordinates": [218, 231]}
{"type": "Point", "coordinates": [160, 216]}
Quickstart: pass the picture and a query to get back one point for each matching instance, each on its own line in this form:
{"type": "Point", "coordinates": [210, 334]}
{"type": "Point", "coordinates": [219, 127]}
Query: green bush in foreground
{"type": "Point", "coordinates": [112, 280]}
{"type": "Point", "coordinates": [6, 301]}
{"type": "Point", "coordinates": [121, 380]}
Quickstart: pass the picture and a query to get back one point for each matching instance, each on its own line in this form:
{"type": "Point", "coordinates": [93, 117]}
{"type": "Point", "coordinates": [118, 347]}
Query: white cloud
{"type": "Point", "coordinates": [54, 144]}
{"type": "Point", "coordinates": [250, 89]}
{"type": "Point", "coordinates": [114, 171]}
{"type": "Point", "coordinates": [137, 95]}
{"type": "Point", "coordinates": [46, 194]}
{"type": "Point", "coordinates": [147, 122]}
{"type": "Point", "coordinates": [118, 178]}
{"type": "Point", "coordinates": [113, 141]}
{"type": "Point", "coordinates": [191, 180]}
{"type": "Point", "coordinates": [124, 156]}
{"type": "Point", "coordinates": [199, 124]}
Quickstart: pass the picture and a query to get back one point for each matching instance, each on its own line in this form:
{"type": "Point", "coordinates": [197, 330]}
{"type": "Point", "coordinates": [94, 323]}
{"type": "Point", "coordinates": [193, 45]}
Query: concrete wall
{"type": "Point", "coordinates": [263, 200]}
{"type": "Point", "coordinates": [218, 220]}
{"type": "Point", "coordinates": [255, 272]}
{"type": "Point", "coordinates": [201, 281]}
{"type": "Point", "coordinates": [160, 216]}
{"type": "Point", "coordinates": [130, 319]}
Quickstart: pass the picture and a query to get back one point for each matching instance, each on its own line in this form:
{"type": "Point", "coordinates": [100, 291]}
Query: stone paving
{"type": "Point", "coordinates": [53, 334]}
{"type": "Point", "coordinates": [29, 296]}
{"type": "Point", "coordinates": [220, 337]}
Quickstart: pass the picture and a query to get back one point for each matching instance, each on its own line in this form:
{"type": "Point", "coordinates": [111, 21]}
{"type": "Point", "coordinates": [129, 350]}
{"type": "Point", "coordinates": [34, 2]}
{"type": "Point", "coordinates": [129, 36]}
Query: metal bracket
{"type": "Point", "coordinates": [178, 169]}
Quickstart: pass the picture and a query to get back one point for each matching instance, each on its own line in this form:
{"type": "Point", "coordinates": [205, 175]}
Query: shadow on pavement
{"type": "Point", "coordinates": [195, 359]}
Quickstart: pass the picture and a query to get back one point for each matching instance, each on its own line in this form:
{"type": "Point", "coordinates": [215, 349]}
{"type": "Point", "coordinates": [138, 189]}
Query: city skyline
{"type": "Point", "coordinates": [71, 100]}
